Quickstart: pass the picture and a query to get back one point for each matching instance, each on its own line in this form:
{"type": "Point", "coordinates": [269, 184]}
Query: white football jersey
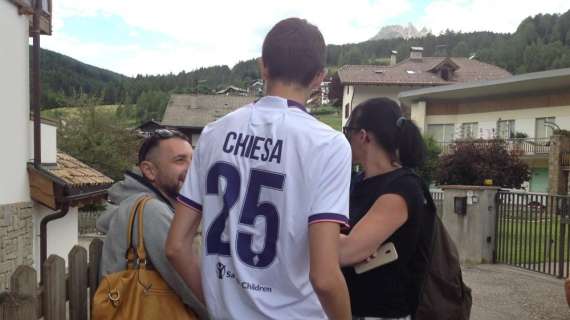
{"type": "Point", "coordinates": [260, 175]}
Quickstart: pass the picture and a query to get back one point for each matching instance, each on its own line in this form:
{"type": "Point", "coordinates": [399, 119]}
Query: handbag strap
{"type": "Point", "coordinates": [136, 255]}
{"type": "Point", "coordinates": [141, 251]}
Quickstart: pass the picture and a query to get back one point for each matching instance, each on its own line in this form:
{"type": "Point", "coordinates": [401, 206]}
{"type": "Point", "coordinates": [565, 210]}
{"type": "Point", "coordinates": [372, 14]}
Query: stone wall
{"type": "Point", "coordinates": [557, 178]}
{"type": "Point", "coordinates": [474, 232]}
{"type": "Point", "coordinates": [16, 238]}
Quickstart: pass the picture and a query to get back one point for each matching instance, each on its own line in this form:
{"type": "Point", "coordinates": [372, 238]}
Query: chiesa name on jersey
{"type": "Point", "coordinates": [253, 147]}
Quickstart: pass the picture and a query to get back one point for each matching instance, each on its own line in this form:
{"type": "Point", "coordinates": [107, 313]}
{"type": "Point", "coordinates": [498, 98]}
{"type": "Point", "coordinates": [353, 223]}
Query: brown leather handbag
{"type": "Point", "coordinates": [138, 292]}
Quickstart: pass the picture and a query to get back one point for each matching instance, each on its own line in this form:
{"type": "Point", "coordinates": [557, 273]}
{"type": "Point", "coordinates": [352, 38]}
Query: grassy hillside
{"type": "Point", "coordinates": [67, 113]}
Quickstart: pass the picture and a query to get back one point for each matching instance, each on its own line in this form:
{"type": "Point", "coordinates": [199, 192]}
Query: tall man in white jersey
{"type": "Point", "coordinates": [271, 184]}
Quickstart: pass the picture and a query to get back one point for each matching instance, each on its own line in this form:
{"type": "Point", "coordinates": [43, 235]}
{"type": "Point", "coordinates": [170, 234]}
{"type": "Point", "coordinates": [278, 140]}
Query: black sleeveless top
{"type": "Point", "coordinates": [390, 290]}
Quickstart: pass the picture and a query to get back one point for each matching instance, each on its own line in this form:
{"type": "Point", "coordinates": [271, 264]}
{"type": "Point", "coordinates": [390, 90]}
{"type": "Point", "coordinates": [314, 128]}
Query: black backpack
{"type": "Point", "coordinates": [443, 294]}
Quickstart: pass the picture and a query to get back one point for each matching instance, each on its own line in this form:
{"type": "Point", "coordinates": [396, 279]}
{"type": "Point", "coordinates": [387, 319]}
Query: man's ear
{"type": "Point", "coordinates": [148, 170]}
{"type": "Point", "coordinates": [318, 79]}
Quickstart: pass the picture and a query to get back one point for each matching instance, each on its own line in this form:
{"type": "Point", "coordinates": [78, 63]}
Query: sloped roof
{"type": "Point", "coordinates": [421, 72]}
{"type": "Point", "coordinates": [522, 84]}
{"type": "Point", "coordinates": [149, 125]}
{"type": "Point", "coordinates": [231, 88]}
{"type": "Point", "coordinates": [196, 111]}
{"type": "Point", "coordinates": [77, 174]}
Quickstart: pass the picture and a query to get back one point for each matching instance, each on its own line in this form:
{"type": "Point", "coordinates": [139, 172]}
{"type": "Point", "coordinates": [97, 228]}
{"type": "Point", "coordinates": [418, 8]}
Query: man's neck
{"type": "Point", "coordinates": [288, 91]}
{"type": "Point", "coordinates": [165, 195]}
{"type": "Point", "coordinates": [137, 175]}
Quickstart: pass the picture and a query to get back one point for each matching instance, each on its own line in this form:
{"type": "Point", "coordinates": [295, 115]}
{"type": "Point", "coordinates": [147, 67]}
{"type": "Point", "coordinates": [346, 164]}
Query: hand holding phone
{"type": "Point", "coordinates": [385, 254]}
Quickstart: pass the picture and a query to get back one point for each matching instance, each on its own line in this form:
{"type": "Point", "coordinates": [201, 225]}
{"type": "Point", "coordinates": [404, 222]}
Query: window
{"type": "Point", "coordinates": [469, 130]}
{"type": "Point", "coordinates": [542, 129]}
{"type": "Point", "coordinates": [446, 73]}
{"type": "Point", "coordinates": [506, 129]}
{"type": "Point", "coordinates": [441, 132]}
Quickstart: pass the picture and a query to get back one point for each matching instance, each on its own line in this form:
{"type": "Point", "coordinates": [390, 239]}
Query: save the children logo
{"type": "Point", "coordinates": [223, 272]}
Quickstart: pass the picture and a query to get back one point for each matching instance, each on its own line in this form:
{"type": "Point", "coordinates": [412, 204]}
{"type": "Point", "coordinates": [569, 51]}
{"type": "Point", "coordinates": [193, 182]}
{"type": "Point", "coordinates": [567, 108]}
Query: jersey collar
{"type": "Point", "coordinates": [275, 100]}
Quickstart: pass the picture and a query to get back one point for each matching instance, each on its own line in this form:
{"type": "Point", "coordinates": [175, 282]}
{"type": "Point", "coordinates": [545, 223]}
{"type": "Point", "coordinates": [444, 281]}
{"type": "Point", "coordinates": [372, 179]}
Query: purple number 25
{"type": "Point", "coordinates": [252, 209]}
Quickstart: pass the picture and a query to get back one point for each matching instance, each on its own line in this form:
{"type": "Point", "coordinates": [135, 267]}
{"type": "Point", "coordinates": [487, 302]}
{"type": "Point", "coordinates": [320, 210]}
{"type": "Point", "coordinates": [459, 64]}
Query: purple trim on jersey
{"type": "Point", "coordinates": [189, 203]}
{"type": "Point", "coordinates": [331, 217]}
{"type": "Point", "coordinates": [295, 104]}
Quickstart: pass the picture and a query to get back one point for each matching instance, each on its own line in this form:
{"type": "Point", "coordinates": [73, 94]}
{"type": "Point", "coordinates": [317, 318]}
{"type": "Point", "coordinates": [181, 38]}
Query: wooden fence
{"type": "Point", "coordinates": [27, 300]}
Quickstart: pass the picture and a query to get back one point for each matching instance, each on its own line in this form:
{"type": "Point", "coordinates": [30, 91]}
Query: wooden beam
{"type": "Point", "coordinates": [42, 189]}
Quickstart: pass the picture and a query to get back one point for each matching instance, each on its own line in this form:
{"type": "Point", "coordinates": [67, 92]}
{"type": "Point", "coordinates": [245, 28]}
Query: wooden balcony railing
{"type": "Point", "coordinates": [523, 146]}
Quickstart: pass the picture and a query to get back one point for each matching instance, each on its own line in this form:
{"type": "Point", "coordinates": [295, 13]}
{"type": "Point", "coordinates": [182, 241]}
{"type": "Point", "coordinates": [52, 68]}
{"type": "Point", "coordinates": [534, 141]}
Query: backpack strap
{"type": "Point", "coordinates": [425, 189]}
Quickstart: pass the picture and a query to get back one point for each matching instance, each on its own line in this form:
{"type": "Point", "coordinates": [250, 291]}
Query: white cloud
{"type": "Point", "coordinates": [486, 15]}
{"type": "Point", "coordinates": [211, 32]}
{"type": "Point", "coordinates": [204, 33]}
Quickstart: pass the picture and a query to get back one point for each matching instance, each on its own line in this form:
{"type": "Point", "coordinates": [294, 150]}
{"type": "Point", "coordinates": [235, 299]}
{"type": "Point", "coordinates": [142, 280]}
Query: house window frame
{"type": "Point", "coordinates": [474, 131]}
{"type": "Point", "coordinates": [444, 129]}
{"type": "Point", "coordinates": [548, 131]}
{"type": "Point", "coordinates": [511, 128]}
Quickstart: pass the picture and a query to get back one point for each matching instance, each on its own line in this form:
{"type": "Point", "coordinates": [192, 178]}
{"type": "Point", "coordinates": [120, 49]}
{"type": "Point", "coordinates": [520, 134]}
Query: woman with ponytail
{"type": "Point", "coordinates": [386, 206]}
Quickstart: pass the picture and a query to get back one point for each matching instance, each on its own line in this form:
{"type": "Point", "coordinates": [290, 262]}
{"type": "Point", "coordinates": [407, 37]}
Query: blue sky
{"type": "Point", "coordinates": [150, 37]}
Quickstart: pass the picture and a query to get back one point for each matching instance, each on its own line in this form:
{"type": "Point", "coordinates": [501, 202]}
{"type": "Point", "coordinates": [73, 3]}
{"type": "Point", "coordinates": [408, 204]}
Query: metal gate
{"type": "Point", "coordinates": [532, 232]}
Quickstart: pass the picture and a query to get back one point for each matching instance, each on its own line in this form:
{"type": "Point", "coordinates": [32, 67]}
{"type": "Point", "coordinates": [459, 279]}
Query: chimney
{"type": "Point", "coordinates": [416, 53]}
{"type": "Point", "coordinates": [394, 57]}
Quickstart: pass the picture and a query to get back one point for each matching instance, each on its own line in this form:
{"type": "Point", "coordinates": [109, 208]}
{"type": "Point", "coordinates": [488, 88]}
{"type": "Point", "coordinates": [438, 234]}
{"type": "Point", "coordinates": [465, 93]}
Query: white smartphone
{"type": "Point", "coordinates": [385, 254]}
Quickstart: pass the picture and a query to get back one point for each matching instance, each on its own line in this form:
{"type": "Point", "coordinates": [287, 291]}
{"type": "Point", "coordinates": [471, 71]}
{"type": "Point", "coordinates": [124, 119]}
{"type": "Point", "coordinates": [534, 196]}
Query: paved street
{"type": "Point", "coordinates": [502, 292]}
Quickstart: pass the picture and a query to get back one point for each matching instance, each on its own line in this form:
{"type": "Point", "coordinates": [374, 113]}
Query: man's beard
{"type": "Point", "coordinates": [171, 191]}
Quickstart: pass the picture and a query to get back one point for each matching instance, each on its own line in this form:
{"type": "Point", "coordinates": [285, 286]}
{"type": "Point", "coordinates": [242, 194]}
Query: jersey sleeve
{"type": "Point", "coordinates": [333, 184]}
{"type": "Point", "coordinates": [192, 193]}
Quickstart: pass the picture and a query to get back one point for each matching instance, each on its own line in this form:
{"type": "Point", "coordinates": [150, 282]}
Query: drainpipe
{"type": "Point", "coordinates": [65, 204]}
{"type": "Point", "coordinates": [36, 92]}
{"type": "Point", "coordinates": [43, 234]}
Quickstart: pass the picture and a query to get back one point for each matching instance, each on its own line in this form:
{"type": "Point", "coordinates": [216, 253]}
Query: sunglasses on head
{"type": "Point", "coordinates": [154, 138]}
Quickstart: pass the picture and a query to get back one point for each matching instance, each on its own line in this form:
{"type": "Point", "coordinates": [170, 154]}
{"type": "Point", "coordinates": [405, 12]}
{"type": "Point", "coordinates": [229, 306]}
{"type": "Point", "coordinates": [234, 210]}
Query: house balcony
{"type": "Point", "coordinates": [45, 18]}
{"type": "Point", "coordinates": [524, 147]}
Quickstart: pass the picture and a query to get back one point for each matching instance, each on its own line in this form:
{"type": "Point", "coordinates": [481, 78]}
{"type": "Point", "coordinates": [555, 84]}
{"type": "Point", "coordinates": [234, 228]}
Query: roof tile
{"type": "Point", "coordinates": [77, 173]}
{"type": "Point", "coordinates": [196, 111]}
{"type": "Point", "coordinates": [417, 72]}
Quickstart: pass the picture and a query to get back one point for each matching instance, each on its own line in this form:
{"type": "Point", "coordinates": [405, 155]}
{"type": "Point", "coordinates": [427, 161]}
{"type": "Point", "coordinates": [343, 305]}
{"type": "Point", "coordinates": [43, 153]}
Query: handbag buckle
{"type": "Point", "coordinates": [141, 262]}
{"type": "Point", "coordinates": [114, 296]}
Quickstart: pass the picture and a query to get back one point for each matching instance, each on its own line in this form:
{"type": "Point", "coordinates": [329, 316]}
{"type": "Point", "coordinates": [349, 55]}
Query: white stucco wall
{"type": "Point", "coordinates": [63, 233]}
{"type": "Point", "coordinates": [418, 115]}
{"type": "Point", "coordinates": [14, 104]}
{"type": "Point", "coordinates": [361, 93]}
{"type": "Point", "coordinates": [49, 143]}
{"type": "Point", "coordinates": [525, 119]}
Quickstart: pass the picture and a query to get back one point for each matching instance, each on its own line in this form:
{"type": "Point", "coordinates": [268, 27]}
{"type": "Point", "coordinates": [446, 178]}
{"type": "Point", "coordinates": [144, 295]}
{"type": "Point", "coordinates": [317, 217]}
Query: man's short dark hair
{"type": "Point", "coordinates": [152, 141]}
{"type": "Point", "coordinates": [294, 51]}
